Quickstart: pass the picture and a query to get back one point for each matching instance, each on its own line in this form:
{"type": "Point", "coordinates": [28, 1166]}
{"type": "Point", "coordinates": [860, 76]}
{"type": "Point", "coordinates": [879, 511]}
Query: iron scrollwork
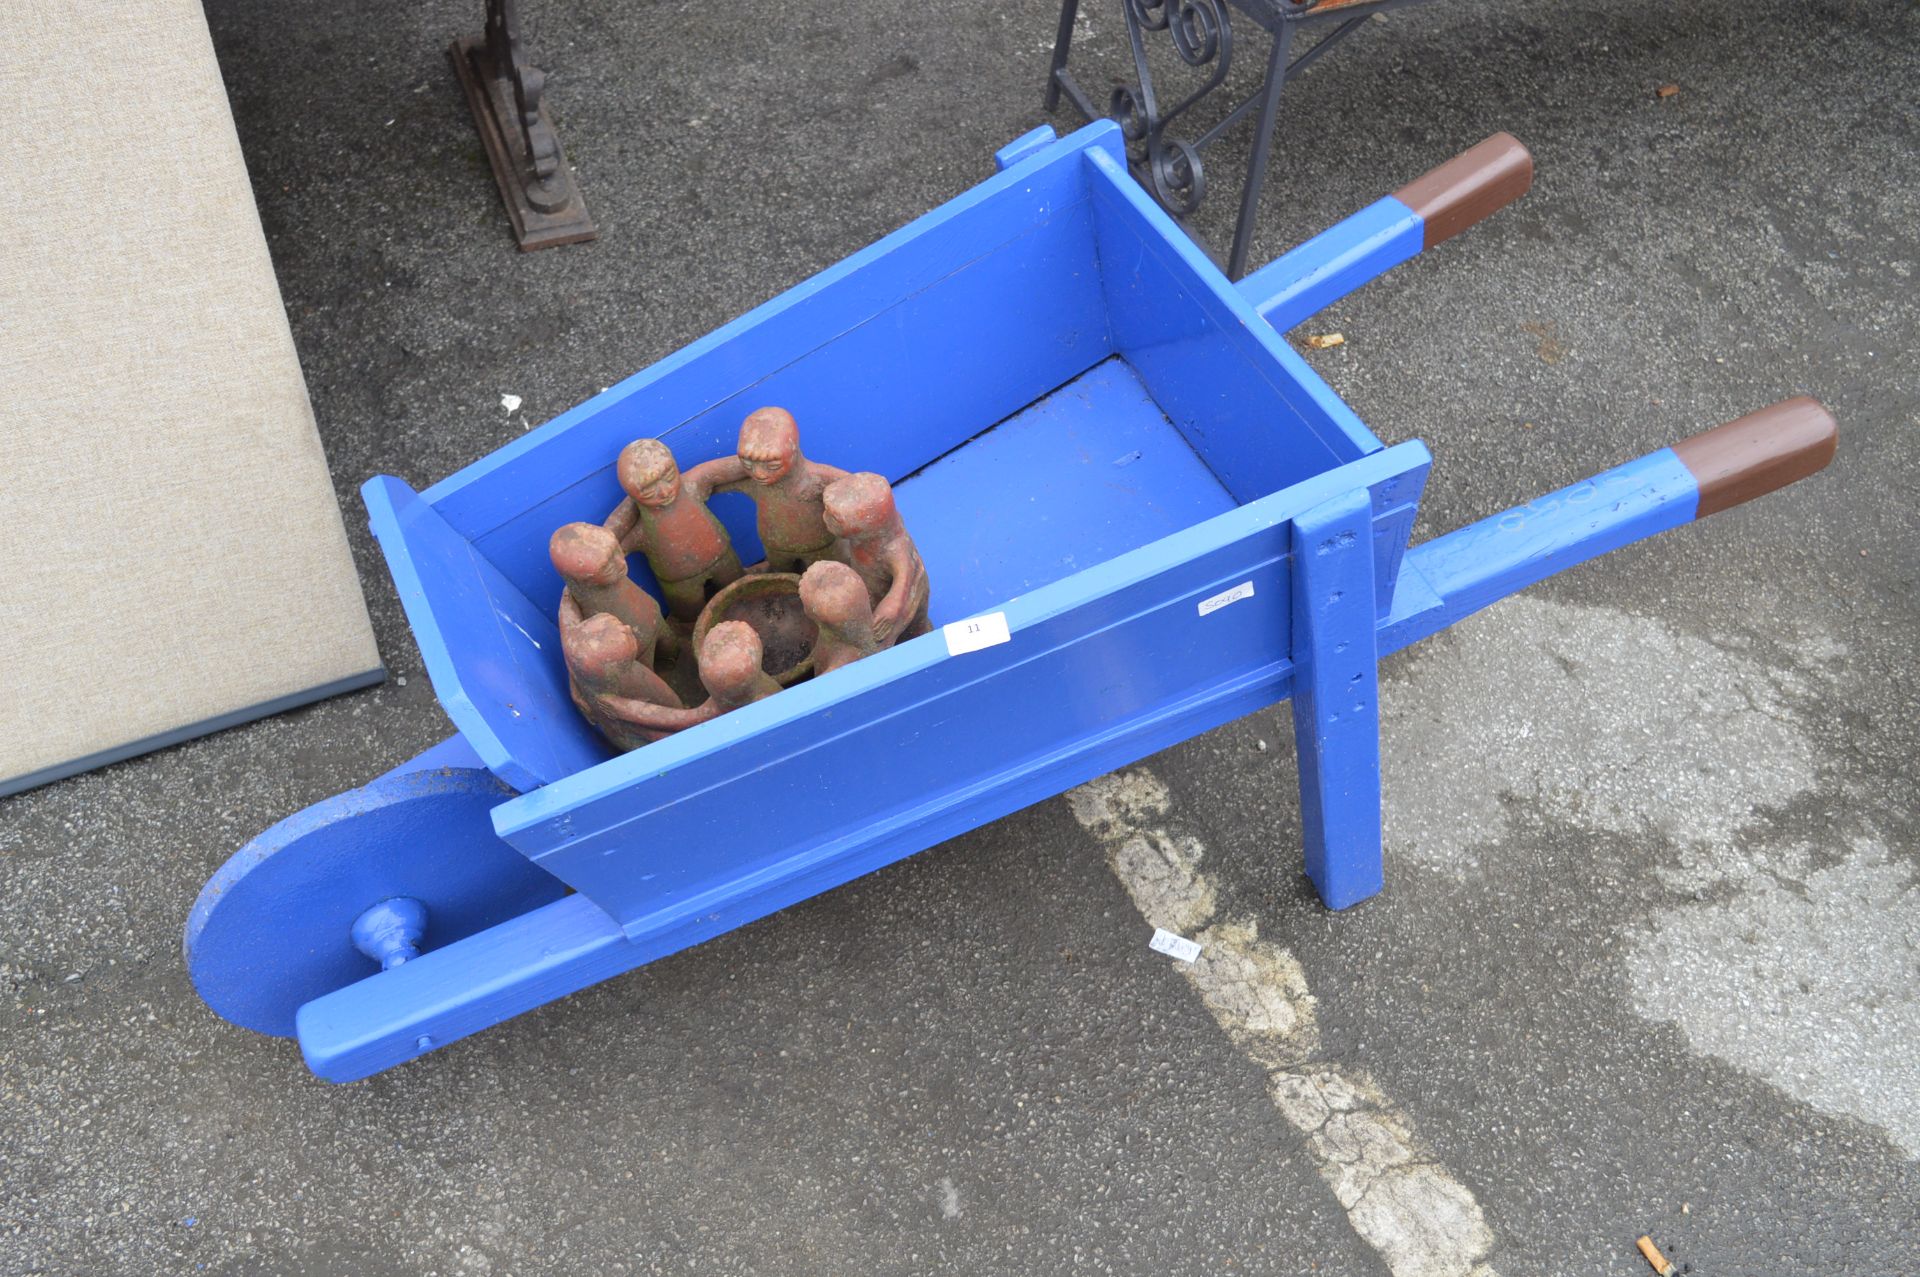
{"type": "Point", "coordinates": [1202, 36]}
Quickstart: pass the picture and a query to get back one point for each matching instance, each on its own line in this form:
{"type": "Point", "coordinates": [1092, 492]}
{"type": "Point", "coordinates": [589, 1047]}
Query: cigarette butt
{"type": "Point", "coordinates": [1327, 341]}
{"type": "Point", "coordinates": [1654, 1257]}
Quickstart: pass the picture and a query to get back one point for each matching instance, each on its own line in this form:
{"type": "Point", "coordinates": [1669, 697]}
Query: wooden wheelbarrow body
{"type": "Point", "coordinates": [1095, 438]}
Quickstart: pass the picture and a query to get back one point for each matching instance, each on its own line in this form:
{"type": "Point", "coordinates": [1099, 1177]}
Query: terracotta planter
{"type": "Point", "coordinates": [770, 603]}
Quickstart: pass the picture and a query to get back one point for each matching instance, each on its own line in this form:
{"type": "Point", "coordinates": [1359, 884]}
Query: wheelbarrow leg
{"type": "Point", "coordinates": [1336, 698]}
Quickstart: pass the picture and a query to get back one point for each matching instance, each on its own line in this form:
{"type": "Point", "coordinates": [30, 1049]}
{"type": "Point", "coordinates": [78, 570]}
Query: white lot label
{"type": "Point", "coordinates": [976, 632]}
{"type": "Point", "coordinates": [1173, 946]}
{"type": "Point", "coordinates": [1244, 590]}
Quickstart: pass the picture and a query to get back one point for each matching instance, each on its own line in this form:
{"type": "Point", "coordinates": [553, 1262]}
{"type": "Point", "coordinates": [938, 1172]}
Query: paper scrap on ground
{"type": "Point", "coordinates": [1173, 946]}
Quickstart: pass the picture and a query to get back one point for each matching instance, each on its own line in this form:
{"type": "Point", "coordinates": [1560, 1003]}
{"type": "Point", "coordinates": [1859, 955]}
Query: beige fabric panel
{"type": "Point", "coordinates": [172, 549]}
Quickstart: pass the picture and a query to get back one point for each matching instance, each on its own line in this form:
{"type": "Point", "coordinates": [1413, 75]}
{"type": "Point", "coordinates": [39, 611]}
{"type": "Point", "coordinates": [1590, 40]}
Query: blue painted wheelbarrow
{"type": "Point", "coordinates": [1095, 438]}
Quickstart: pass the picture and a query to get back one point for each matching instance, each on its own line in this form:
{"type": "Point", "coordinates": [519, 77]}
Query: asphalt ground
{"type": "Point", "coordinates": [1647, 959]}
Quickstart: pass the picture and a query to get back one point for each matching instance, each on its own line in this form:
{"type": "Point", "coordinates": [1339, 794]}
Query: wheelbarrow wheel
{"type": "Point", "coordinates": [398, 867]}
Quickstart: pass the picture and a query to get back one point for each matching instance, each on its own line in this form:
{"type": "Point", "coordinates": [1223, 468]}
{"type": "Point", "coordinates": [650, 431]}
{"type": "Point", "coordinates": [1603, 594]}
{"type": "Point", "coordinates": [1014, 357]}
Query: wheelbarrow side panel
{"type": "Point", "coordinates": [913, 746]}
{"type": "Point", "coordinates": [889, 358]}
{"type": "Point", "coordinates": [782, 800]}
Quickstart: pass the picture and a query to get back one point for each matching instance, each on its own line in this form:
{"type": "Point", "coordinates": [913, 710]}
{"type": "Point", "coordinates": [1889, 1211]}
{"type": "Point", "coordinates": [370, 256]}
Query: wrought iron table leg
{"type": "Point", "coordinates": [1062, 42]}
{"type": "Point", "coordinates": [504, 91]}
{"type": "Point", "coordinates": [1262, 143]}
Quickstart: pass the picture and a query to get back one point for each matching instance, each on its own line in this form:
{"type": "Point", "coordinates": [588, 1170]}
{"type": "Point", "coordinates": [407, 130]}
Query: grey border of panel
{"type": "Point", "coordinates": [205, 727]}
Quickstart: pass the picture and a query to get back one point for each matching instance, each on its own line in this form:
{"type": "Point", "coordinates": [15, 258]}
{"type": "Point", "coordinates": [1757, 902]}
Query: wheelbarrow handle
{"type": "Point", "coordinates": [1467, 188]}
{"type": "Point", "coordinates": [1470, 187]}
{"type": "Point", "coordinates": [1759, 453]}
{"type": "Point", "coordinates": [1455, 575]}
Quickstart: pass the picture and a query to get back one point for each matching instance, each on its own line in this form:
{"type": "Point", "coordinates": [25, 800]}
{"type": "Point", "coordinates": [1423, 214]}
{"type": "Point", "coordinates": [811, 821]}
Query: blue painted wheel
{"type": "Point", "coordinates": [273, 928]}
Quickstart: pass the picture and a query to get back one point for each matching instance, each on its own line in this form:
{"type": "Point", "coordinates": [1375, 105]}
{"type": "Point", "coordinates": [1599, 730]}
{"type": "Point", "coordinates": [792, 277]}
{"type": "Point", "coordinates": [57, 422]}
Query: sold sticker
{"type": "Point", "coordinates": [1214, 603]}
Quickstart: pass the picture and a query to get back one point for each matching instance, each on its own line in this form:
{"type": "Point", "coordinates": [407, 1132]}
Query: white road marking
{"type": "Point", "coordinates": [1422, 1221]}
{"type": "Point", "coordinates": [1417, 1216]}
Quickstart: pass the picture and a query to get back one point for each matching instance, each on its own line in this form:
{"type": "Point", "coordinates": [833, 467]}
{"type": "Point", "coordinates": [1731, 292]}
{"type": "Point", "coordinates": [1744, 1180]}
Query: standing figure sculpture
{"type": "Point", "coordinates": [785, 486]}
{"type": "Point", "coordinates": [603, 664]}
{"type": "Point", "coordinates": [836, 601]}
{"type": "Point", "coordinates": [874, 543]}
{"type": "Point", "coordinates": [731, 672]}
{"type": "Point", "coordinates": [588, 559]}
{"type": "Point", "coordinates": [665, 517]}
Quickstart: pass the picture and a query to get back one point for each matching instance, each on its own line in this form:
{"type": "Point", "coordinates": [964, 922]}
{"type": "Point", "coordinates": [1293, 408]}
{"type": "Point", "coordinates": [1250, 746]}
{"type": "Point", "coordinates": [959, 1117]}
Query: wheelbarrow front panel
{"type": "Point", "coordinates": [1244, 399]}
{"type": "Point", "coordinates": [493, 654]}
{"type": "Point", "coordinates": [912, 746]}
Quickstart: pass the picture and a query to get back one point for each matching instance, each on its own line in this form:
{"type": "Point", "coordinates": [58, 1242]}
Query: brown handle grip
{"type": "Point", "coordinates": [1480, 181]}
{"type": "Point", "coordinates": [1759, 452]}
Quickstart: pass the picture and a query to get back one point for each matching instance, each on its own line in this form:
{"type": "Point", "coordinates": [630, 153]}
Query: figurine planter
{"type": "Point", "coordinates": [1112, 464]}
